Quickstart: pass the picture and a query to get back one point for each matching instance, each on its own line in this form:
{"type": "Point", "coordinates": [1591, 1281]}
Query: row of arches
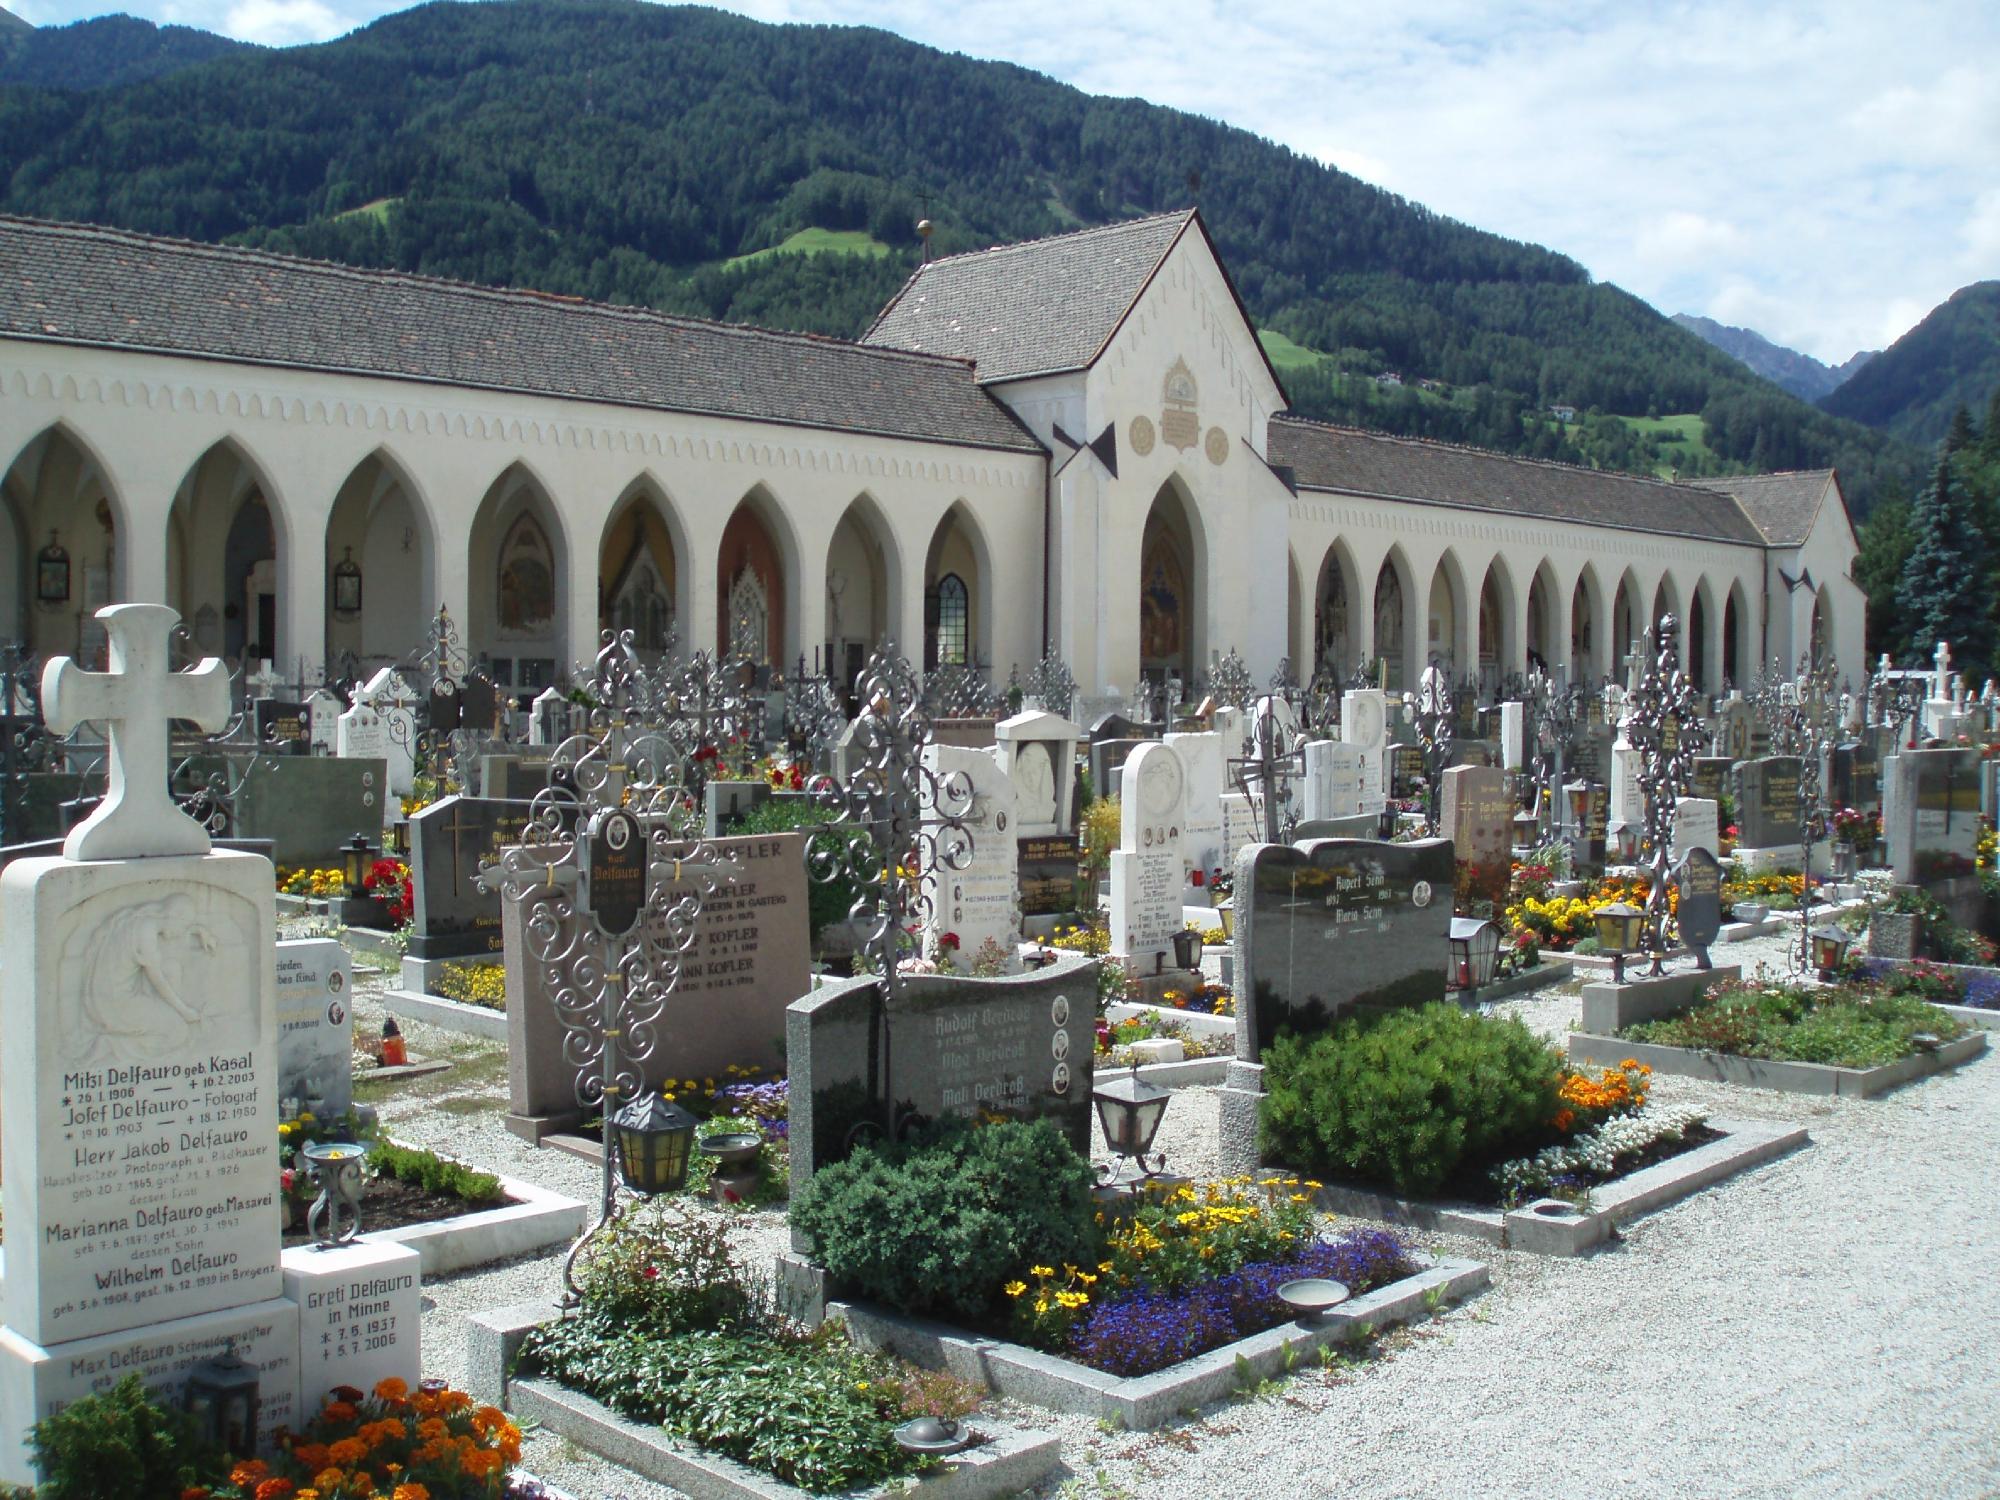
{"type": "Point", "coordinates": [1584, 626]}
{"type": "Point", "coordinates": [231, 547]}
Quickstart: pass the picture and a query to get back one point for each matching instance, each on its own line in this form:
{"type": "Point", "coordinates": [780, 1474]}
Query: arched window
{"type": "Point", "coordinates": [749, 617]}
{"type": "Point", "coordinates": [952, 614]}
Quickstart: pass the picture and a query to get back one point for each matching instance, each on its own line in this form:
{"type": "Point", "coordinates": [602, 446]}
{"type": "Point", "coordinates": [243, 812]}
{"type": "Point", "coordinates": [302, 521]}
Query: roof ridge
{"type": "Point", "coordinates": [1710, 479]}
{"type": "Point", "coordinates": [1049, 239]}
{"type": "Point", "coordinates": [375, 275]}
{"type": "Point", "coordinates": [1472, 448]}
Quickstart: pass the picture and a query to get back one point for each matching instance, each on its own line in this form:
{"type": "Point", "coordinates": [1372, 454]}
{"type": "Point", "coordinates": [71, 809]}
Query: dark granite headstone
{"type": "Point", "coordinates": [1107, 759]}
{"type": "Point", "coordinates": [1335, 928]}
{"type": "Point", "coordinates": [453, 917]}
{"type": "Point", "coordinates": [1018, 1047]}
{"type": "Point", "coordinates": [726, 801]}
{"type": "Point", "coordinates": [1699, 905]}
{"type": "Point", "coordinates": [1587, 846]}
{"type": "Point", "coordinates": [1855, 775]}
{"type": "Point", "coordinates": [308, 806]}
{"type": "Point", "coordinates": [282, 723]}
{"type": "Point", "coordinates": [1117, 726]}
{"type": "Point", "coordinates": [1711, 777]}
{"type": "Point", "coordinates": [1360, 826]}
{"type": "Point", "coordinates": [478, 704]}
{"type": "Point", "coordinates": [1478, 815]}
{"type": "Point", "coordinates": [1767, 802]}
{"type": "Point", "coordinates": [1406, 769]}
{"type": "Point", "coordinates": [1048, 874]}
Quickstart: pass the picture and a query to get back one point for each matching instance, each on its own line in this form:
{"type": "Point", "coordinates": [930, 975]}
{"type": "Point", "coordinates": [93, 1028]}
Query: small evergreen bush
{"type": "Point", "coordinates": [827, 901]}
{"type": "Point", "coordinates": [1409, 1098]}
{"type": "Point", "coordinates": [937, 1224]}
{"type": "Point", "coordinates": [433, 1173]}
{"type": "Point", "coordinates": [122, 1442]}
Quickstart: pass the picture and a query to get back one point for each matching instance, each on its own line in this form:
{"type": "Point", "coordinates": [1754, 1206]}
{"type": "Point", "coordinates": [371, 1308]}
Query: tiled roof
{"type": "Point", "coordinates": [1326, 457]}
{"type": "Point", "coordinates": [1042, 307]}
{"type": "Point", "coordinates": [1781, 506]}
{"type": "Point", "coordinates": [82, 284]}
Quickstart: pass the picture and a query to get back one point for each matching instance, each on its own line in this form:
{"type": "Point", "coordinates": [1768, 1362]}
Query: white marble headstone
{"type": "Point", "coordinates": [979, 901]}
{"type": "Point", "coordinates": [1147, 869]}
{"type": "Point", "coordinates": [1364, 724]}
{"type": "Point", "coordinates": [1333, 780]}
{"type": "Point", "coordinates": [1696, 826]}
{"type": "Point", "coordinates": [1202, 758]}
{"type": "Point", "coordinates": [1513, 735]}
{"type": "Point", "coordinates": [1038, 752]}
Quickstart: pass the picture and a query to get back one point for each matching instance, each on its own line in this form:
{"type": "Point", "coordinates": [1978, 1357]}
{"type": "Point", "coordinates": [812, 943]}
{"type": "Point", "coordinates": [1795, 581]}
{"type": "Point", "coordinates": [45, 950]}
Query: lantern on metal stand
{"type": "Point", "coordinates": [653, 1137]}
{"type": "Point", "coordinates": [1475, 954]}
{"type": "Point", "coordinates": [1130, 1110]}
{"type": "Point", "coordinates": [1619, 926]}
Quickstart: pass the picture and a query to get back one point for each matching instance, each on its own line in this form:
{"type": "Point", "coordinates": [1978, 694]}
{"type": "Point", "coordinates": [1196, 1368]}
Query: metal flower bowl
{"type": "Point", "coordinates": [1315, 1294]}
{"type": "Point", "coordinates": [933, 1435]}
{"type": "Point", "coordinates": [733, 1149]}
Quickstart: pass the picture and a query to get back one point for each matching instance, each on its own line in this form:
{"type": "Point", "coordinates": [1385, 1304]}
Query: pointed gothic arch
{"type": "Point", "coordinates": [639, 582]}
{"type": "Point", "coordinates": [519, 579]}
{"type": "Point", "coordinates": [1497, 649]}
{"type": "Point", "coordinates": [1445, 619]}
{"type": "Point", "coordinates": [756, 594]}
{"type": "Point", "coordinates": [957, 560]}
{"type": "Point", "coordinates": [1588, 632]}
{"type": "Point", "coordinates": [1627, 627]}
{"type": "Point", "coordinates": [1737, 652]}
{"type": "Point", "coordinates": [1539, 650]}
{"type": "Point", "coordinates": [380, 558]}
{"type": "Point", "coordinates": [1336, 630]}
{"type": "Point", "coordinates": [224, 555]}
{"type": "Point", "coordinates": [62, 512]}
{"type": "Point", "coordinates": [1172, 586]}
{"type": "Point", "coordinates": [863, 577]}
{"type": "Point", "coordinates": [1398, 641]}
{"type": "Point", "coordinates": [1697, 652]}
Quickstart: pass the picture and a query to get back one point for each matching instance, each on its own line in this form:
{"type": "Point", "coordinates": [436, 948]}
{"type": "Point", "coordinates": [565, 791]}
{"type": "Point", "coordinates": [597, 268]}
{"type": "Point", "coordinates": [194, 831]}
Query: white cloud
{"type": "Point", "coordinates": [284, 23]}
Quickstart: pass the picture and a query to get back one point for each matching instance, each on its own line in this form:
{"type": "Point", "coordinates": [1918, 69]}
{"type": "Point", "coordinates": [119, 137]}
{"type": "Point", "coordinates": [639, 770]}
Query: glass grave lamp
{"type": "Point", "coordinates": [1130, 1110]}
{"type": "Point", "coordinates": [1579, 804]}
{"type": "Point", "coordinates": [357, 854]}
{"type": "Point", "coordinates": [1829, 942]}
{"type": "Point", "coordinates": [1227, 912]}
{"type": "Point", "coordinates": [654, 1137]}
{"type": "Point", "coordinates": [1475, 953]}
{"type": "Point", "coordinates": [221, 1395]}
{"type": "Point", "coordinates": [1619, 929]}
{"type": "Point", "coordinates": [1187, 949]}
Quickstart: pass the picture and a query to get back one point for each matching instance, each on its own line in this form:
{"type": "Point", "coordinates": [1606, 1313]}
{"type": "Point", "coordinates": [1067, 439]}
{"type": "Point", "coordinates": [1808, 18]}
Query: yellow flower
{"type": "Point", "coordinates": [1015, 1288]}
{"type": "Point", "coordinates": [861, 1385]}
{"type": "Point", "coordinates": [1041, 1271]}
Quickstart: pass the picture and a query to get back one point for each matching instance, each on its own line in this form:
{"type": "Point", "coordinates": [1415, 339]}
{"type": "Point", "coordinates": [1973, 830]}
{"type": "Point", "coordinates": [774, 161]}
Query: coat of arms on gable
{"type": "Point", "coordinates": [1180, 423]}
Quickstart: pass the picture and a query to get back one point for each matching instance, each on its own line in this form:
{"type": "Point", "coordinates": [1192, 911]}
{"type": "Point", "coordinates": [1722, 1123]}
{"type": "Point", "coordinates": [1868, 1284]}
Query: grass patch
{"type": "Point", "coordinates": [1855, 1025]}
{"type": "Point", "coordinates": [378, 210]}
{"type": "Point", "coordinates": [1285, 354]}
{"type": "Point", "coordinates": [814, 242]}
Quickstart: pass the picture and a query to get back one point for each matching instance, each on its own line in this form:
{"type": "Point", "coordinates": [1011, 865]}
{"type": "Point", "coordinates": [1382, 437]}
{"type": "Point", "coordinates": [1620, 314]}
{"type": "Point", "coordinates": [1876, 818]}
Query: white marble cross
{"type": "Point", "coordinates": [136, 701]}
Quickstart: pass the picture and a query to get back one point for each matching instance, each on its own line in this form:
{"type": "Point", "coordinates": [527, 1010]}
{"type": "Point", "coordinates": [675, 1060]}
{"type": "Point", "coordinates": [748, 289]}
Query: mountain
{"type": "Point", "coordinates": [1801, 374]}
{"type": "Point", "coordinates": [704, 163]}
{"type": "Point", "coordinates": [1949, 360]}
{"type": "Point", "coordinates": [105, 52]}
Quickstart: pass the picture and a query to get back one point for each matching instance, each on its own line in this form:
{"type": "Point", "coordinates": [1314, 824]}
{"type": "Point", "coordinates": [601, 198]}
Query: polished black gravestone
{"type": "Point", "coordinates": [452, 916]}
{"type": "Point", "coordinates": [1710, 779]}
{"type": "Point", "coordinates": [1048, 874]}
{"type": "Point", "coordinates": [1014, 1048]}
{"type": "Point", "coordinates": [1698, 904]}
{"type": "Point", "coordinates": [1767, 802]}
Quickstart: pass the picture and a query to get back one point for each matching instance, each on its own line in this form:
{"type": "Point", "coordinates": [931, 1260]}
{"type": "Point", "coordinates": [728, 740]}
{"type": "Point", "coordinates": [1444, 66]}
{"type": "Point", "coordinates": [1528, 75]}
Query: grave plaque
{"type": "Point", "coordinates": [309, 806]}
{"type": "Point", "coordinates": [1048, 874]}
{"type": "Point", "coordinates": [283, 722]}
{"type": "Point", "coordinates": [452, 916]}
{"type": "Point", "coordinates": [1698, 906]}
{"type": "Point", "coordinates": [1018, 1047]}
{"type": "Point", "coordinates": [973, 887]}
{"type": "Point", "coordinates": [1710, 779]}
{"type": "Point", "coordinates": [1335, 928]}
{"type": "Point", "coordinates": [446, 711]}
{"type": "Point", "coordinates": [1242, 826]}
{"type": "Point", "coordinates": [315, 1029]}
{"type": "Point", "coordinates": [611, 872]}
{"type": "Point", "coordinates": [1479, 816]}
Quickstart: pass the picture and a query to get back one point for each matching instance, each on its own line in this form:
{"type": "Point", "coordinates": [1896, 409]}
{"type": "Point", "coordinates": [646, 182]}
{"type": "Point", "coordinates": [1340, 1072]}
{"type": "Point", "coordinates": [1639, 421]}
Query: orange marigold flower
{"type": "Point", "coordinates": [330, 1478]}
{"type": "Point", "coordinates": [274, 1489]}
{"type": "Point", "coordinates": [480, 1462]}
{"type": "Point", "coordinates": [432, 1428]}
{"type": "Point", "coordinates": [310, 1456]}
{"type": "Point", "coordinates": [488, 1419]}
{"type": "Point", "coordinates": [250, 1473]}
{"type": "Point", "coordinates": [410, 1492]}
{"type": "Point", "coordinates": [340, 1411]}
{"type": "Point", "coordinates": [391, 1389]}
{"type": "Point", "coordinates": [348, 1452]}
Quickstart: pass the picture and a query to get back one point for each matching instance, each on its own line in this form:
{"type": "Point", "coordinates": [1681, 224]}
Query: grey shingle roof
{"type": "Point", "coordinates": [1326, 457]}
{"type": "Point", "coordinates": [1041, 307]}
{"type": "Point", "coordinates": [83, 284]}
{"type": "Point", "coordinates": [1781, 506]}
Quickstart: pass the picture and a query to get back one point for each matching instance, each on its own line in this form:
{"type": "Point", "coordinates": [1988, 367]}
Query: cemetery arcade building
{"type": "Point", "coordinates": [1074, 445]}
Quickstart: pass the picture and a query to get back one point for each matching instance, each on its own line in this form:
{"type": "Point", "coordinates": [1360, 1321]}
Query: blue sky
{"type": "Point", "coordinates": [1823, 172]}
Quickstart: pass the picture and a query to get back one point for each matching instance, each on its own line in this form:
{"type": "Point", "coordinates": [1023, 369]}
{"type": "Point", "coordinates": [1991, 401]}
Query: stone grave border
{"type": "Point", "coordinates": [1763, 1073]}
{"type": "Point", "coordinates": [447, 1015]}
{"type": "Point", "coordinates": [532, 1220]}
{"type": "Point", "coordinates": [386, 946]}
{"type": "Point", "coordinates": [1551, 1226]}
{"type": "Point", "coordinates": [1014, 1459]}
{"type": "Point", "coordinates": [1140, 1402]}
{"type": "Point", "coordinates": [1555, 968]}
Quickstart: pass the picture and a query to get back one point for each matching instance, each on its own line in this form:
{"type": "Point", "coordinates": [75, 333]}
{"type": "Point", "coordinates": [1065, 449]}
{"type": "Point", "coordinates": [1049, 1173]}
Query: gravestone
{"type": "Point", "coordinates": [315, 997]}
{"type": "Point", "coordinates": [1147, 867]}
{"type": "Point", "coordinates": [1854, 775]}
{"type": "Point", "coordinates": [1698, 906]}
{"type": "Point", "coordinates": [1767, 814]}
{"type": "Point", "coordinates": [309, 806]}
{"type": "Point", "coordinates": [1477, 813]}
{"type": "Point", "coordinates": [282, 724]}
{"type": "Point", "coordinates": [1513, 735]}
{"type": "Point", "coordinates": [549, 718]}
{"type": "Point", "coordinates": [323, 711]}
{"type": "Point", "coordinates": [139, 1084]}
{"type": "Point", "coordinates": [972, 890]}
{"type": "Point", "coordinates": [1932, 819]}
{"type": "Point", "coordinates": [1364, 724]}
{"type": "Point", "coordinates": [1206, 778]}
{"type": "Point", "coordinates": [1696, 826]}
{"type": "Point", "coordinates": [386, 733]}
{"type": "Point", "coordinates": [1107, 762]}
{"type": "Point", "coordinates": [1018, 1047]}
{"type": "Point", "coordinates": [510, 777]}
{"type": "Point", "coordinates": [1242, 826]}
{"type": "Point", "coordinates": [452, 916]}
{"type": "Point", "coordinates": [1734, 728]}
{"type": "Point", "coordinates": [1038, 752]}
{"type": "Point", "coordinates": [1049, 865]}
{"type": "Point", "coordinates": [1360, 826]}
{"type": "Point", "coordinates": [751, 957]}
{"type": "Point", "coordinates": [1331, 929]}
{"type": "Point", "coordinates": [1588, 844]}
{"type": "Point", "coordinates": [1628, 799]}
{"type": "Point", "coordinates": [1710, 777]}
{"type": "Point", "coordinates": [1407, 774]}
{"type": "Point", "coordinates": [723, 802]}
{"type": "Point", "coordinates": [1333, 781]}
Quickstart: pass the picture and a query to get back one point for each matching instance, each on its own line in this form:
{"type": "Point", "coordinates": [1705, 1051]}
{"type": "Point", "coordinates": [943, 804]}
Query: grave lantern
{"type": "Point", "coordinates": [221, 1395]}
{"type": "Point", "coordinates": [1130, 1109]}
{"type": "Point", "coordinates": [1619, 926]}
{"type": "Point", "coordinates": [1475, 953]}
{"type": "Point", "coordinates": [654, 1137]}
{"type": "Point", "coordinates": [1829, 949]}
{"type": "Point", "coordinates": [1187, 949]}
{"type": "Point", "coordinates": [357, 854]}
{"type": "Point", "coordinates": [1579, 804]}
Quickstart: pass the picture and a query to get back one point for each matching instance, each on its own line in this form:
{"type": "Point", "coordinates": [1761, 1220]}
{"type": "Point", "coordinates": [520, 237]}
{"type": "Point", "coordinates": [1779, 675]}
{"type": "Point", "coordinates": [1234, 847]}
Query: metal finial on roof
{"type": "Point", "coordinates": [925, 228]}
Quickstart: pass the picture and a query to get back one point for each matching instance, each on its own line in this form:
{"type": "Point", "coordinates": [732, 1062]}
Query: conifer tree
{"type": "Point", "coordinates": [1947, 582]}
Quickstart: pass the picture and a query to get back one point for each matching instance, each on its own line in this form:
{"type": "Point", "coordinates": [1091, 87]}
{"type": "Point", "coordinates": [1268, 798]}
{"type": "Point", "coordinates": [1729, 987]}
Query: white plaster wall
{"type": "Point", "coordinates": [147, 418]}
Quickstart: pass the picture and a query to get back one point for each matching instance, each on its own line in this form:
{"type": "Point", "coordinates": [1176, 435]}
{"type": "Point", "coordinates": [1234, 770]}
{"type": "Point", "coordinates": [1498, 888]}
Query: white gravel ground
{"type": "Point", "coordinates": [1822, 1326]}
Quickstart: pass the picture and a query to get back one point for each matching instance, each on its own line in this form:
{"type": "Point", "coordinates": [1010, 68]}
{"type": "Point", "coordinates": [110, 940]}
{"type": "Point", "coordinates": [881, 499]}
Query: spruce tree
{"type": "Point", "coordinates": [1946, 582]}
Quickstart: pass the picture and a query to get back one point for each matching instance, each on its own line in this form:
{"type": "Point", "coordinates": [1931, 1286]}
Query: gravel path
{"type": "Point", "coordinates": [1820, 1326]}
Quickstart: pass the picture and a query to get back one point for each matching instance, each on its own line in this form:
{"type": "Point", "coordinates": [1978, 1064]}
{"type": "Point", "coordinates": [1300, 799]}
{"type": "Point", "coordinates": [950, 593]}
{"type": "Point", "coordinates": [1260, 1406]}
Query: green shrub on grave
{"type": "Point", "coordinates": [122, 1442]}
{"type": "Point", "coordinates": [827, 901]}
{"type": "Point", "coordinates": [939, 1223]}
{"type": "Point", "coordinates": [433, 1173]}
{"type": "Point", "coordinates": [1408, 1099]}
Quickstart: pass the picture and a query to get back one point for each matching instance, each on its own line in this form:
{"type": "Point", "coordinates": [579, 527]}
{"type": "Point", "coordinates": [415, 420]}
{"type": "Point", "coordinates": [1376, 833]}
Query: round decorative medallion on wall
{"type": "Point", "coordinates": [1216, 445]}
{"type": "Point", "coordinates": [1140, 435]}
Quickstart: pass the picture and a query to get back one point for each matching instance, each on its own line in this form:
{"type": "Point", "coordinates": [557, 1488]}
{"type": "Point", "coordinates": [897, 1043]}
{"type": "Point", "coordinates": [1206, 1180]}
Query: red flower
{"type": "Point", "coordinates": [949, 940]}
{"type": "Point", "coordinates": [651, 1273]}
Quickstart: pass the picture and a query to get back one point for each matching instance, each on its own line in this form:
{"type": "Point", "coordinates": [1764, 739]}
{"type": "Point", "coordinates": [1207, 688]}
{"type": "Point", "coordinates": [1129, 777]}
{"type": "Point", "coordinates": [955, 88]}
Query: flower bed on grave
{"type": "Point", "coordinates": [994, 1229]}
{"type": "Point", "coordinates": [1857, 1023]}
{"type": "Point", "coordinates": [745, 1099]}
{"type": "Point", "coordinates": [406, 1185]}
{"type": "Point", "coordinates": [1437, 1103]}
{"type": "Point", "coordinates": [1974, 986]}
{"type": "Point", "coordinates": [674, 1331]}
